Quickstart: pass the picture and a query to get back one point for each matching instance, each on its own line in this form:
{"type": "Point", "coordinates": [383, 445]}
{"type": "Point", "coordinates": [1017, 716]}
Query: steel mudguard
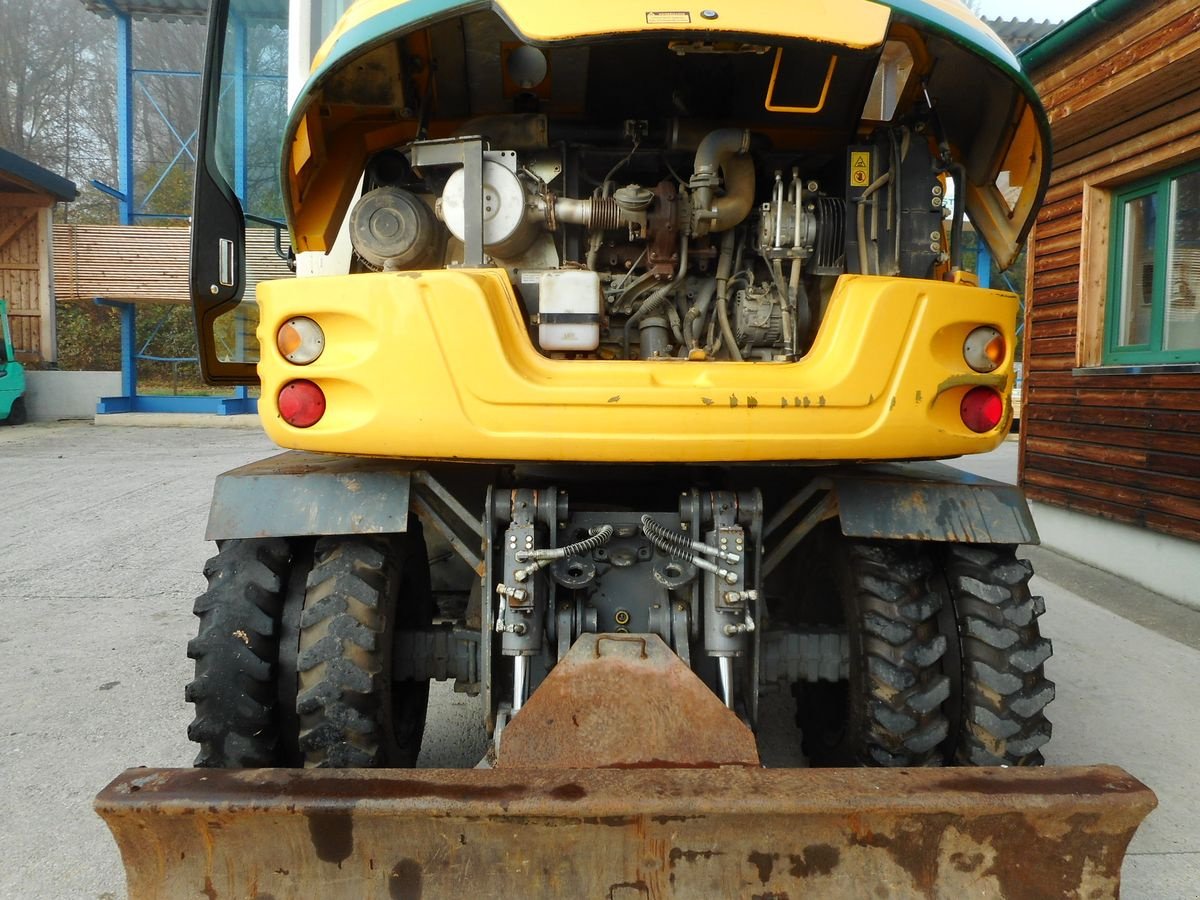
{"type": "Point", "coordinates": [294, 494]}
{"type": "Point", "coordinates": [931, 502]}
{"type": "Point", "coordinates": [297, 493]}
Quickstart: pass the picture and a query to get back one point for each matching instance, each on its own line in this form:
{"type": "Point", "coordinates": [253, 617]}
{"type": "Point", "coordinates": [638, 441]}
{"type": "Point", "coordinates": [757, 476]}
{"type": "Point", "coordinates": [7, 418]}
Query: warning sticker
{"type": "Point", "coordinates": [669, 18]}
{"type": "Point", "coordinates": [860, 168]}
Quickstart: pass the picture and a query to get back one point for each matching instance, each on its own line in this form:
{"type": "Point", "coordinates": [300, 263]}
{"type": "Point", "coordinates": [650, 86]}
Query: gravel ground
{"type": "Point", "coordinates": [102, 557]}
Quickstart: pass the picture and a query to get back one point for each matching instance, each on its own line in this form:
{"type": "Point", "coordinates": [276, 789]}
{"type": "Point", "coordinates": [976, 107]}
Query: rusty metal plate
{"type": "Point", "coordinates": [931, 502]}
{"type": "Point", "coordinates": [301, 493]}
{"type": "Point", "coordinates": [619, 833]}
{"type": "Point", "coordinates": [624, 700]}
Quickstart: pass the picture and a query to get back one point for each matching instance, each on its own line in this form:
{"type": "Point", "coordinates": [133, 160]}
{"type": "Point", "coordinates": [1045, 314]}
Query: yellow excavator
{"type": "Point", "coordinates": [623, 411]}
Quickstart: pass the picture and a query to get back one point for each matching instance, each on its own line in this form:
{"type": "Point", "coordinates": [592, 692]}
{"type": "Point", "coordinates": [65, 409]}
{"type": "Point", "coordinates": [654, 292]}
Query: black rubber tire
{"type": "Point", "coordinates": [286, 678]}
{"type": "Point", "coordinates": [17, 413]}
{"type": "Point", "coordinates": [235, 652]}
{"type": "Point", "coordinates": [360, 590]}
{"type": "Point", "coordinates": [1001, 719]}
{"type": "Point", "coordinates": [890, 712]}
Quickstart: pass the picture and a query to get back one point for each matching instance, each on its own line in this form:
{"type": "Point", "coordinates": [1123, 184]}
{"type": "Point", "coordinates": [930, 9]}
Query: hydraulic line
{"type": "Point", "coordinates": [680, 546]}
{"type": "Point", "coordinates": [875, 185]}
{"type": "Point", "coordinates": [543, 558]}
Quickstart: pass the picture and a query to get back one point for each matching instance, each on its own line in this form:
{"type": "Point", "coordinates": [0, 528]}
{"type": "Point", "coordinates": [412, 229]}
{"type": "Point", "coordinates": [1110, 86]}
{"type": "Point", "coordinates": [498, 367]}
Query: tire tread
{"type": "Point", "coordinates": [340, 666]}
{"type": "Point", "coordinates": [1005, 690]}
{"type": "Point", "coordinates": [903, 723]}
{"type": "Point", "coordinates": [235, 651]}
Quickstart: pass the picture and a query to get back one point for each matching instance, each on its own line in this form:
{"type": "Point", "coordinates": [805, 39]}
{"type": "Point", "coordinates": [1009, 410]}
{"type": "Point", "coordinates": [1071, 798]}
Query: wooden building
{"type": "Point", "coordinates": [27, 197]}
{"type": "Point", "coordinates": [1111, 424]}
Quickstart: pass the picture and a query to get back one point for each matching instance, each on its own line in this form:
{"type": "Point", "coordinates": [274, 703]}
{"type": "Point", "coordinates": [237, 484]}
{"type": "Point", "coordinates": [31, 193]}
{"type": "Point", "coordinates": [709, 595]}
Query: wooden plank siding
{"type": "Point", "coordinates": [22, 276]}
{"type": "Point", "coordinates": [1123, 445]}
{"type": "Point", "coordinates": [143, 264]}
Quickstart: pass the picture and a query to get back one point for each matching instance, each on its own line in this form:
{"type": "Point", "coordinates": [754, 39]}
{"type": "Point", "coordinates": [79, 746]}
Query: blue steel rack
{"type": "Point", "coordinates": [132, 81]}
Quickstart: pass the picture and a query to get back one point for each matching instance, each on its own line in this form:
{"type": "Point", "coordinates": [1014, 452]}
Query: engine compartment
{"type": "Point", "coordinates": [629, 232]}
{"type": "Point", "coordinates": [733, 261]}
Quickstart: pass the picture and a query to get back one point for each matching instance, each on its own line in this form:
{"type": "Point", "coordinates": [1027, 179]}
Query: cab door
{"type": "Point", "coordinates": [242, 114]}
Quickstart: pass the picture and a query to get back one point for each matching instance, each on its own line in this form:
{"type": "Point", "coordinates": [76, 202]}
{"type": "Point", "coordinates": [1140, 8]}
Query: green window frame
{"type": "Point", "coordinates": [1153, 309]}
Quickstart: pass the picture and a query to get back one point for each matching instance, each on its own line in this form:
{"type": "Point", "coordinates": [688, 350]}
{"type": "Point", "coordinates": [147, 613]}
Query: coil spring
{"type": "Point", "coordinates": [588, 544]}
{"type": "Point", "coordinates": [670, 542]}
{"type": "Point", "coordinates": [602, 536]}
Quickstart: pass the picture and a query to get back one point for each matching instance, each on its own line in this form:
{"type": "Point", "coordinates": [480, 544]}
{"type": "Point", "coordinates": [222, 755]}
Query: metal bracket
{"type": "Point", "coordinates": [468, 153]}
{"type": "Point", "coordinates": [680, 628]}
{"type": "Point", "coordinates": [440, 510]}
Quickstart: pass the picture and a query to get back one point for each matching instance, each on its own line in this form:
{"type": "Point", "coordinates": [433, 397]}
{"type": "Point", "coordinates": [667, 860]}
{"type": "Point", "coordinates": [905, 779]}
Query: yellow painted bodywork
{"type": "Point", "coordinates": [439, 365]}
{"type": "Point", "coordinates": [849, 23]}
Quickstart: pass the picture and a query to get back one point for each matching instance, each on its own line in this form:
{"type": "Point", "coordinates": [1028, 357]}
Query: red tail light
{"type": "Point", "coordinates": [982, 409]}
{"type": "Point", "coordinates": [301, 403]}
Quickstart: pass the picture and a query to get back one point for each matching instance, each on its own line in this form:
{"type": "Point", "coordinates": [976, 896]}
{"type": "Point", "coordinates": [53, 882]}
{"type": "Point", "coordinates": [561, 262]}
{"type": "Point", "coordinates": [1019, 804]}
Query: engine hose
{"type": "Point", "coordinates": [786, 321]}
{"type": "Point", "coordinates": [800, 308]}
{"type": "Point", "coordinates": [723, 150]}
{"type": "Point", "coordinates": [657, 298]}
{"type": "Point", "coordinates": [696, 316]}
{"type": "Point", "coordinates": [649, 305]}
{"type": "Point", "coordinates": [715, 339]}
{"type": "Point", "coordinates": [676, 323]}
{"type": "Point", "coordinates": [727, 331]}
{"type": "Point", "coordinates": [595, 213]}
{"type": "Point", "coordinates": [644, 283]}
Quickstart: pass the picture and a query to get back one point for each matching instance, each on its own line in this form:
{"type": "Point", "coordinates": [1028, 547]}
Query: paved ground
{"type": "Point", "coordinates": [103, 548]}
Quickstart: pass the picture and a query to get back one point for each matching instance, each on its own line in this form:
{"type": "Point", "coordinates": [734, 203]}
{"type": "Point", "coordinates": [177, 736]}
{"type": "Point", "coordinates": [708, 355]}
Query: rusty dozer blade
{"type": "Point", "coordinates": [624, 833]}
{"type": "Point", "coordinates": [581, 806]}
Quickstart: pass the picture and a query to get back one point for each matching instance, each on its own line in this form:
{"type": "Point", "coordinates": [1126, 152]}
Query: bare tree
{"type": "Point", "coordinates": [58, 103]}
{"type": "Point", "coordinates": [56, 88]}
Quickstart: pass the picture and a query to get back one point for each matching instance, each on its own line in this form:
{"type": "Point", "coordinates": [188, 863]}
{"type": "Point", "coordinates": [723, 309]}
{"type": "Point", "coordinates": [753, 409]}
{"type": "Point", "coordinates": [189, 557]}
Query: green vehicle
{"type": "Point", "coordinates": [12, 376]}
